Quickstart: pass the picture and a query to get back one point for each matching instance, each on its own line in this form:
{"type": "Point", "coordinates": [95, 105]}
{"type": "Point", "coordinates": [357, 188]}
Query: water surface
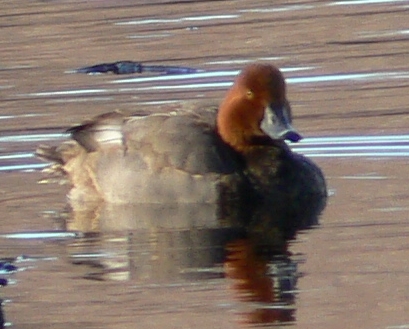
{"type": "Point", "coordinates": [346, 67]}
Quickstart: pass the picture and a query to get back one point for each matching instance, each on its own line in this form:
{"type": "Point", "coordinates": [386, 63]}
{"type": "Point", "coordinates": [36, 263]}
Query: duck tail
{"type": "Point", "coordinates": [49, 154]}
{"type": "Point", "coordinates": [58, 157]}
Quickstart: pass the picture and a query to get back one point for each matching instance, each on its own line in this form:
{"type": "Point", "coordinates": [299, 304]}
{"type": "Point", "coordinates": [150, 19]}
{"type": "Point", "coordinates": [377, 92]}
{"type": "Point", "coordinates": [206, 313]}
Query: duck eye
{"type": "Point", "coordinates": [250, 94]}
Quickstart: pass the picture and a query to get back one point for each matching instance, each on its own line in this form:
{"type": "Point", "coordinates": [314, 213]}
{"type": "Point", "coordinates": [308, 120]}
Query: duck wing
{"type": "Point", "coordinates": [170, 157]}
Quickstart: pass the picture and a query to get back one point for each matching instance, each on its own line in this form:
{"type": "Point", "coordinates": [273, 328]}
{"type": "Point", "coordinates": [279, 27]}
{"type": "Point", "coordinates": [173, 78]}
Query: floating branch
{"type": "Point", "coordinates": [129, 67]}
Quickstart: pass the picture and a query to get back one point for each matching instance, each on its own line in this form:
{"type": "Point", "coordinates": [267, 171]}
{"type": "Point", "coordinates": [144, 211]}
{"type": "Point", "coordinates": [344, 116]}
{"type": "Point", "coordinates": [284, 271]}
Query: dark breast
{"type": "Point", "coordinates": [290, 188]}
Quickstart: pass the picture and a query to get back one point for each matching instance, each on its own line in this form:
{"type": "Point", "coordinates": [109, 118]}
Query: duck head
{"type": "Point", "coordinates": [255, 109]}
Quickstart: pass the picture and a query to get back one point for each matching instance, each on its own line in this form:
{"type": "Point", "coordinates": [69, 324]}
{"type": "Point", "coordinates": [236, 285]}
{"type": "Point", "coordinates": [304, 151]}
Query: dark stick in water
{"type": "Point", "coordinates": [129, 67]}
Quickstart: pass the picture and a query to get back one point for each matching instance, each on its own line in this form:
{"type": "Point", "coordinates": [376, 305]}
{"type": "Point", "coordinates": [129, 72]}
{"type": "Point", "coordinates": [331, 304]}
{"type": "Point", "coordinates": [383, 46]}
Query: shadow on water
{"type": "Point", "coordinates": [172, 246]}
{"type": "Point", "coordinates": [168, 245]}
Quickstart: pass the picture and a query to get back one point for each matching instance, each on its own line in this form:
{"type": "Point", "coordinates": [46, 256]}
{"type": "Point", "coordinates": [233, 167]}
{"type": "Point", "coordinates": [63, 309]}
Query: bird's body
{"type": "Point", "coordinates": [206, 155]}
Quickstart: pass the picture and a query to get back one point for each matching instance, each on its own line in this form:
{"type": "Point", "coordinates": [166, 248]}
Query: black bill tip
{"type": "Point", "coordinates": [292, 136]}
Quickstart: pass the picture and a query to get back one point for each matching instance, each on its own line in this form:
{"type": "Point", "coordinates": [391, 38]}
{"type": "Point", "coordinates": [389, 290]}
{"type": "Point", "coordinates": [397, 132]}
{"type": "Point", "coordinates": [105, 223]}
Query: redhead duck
{"type": "Point", "coordinates": [237, 151]}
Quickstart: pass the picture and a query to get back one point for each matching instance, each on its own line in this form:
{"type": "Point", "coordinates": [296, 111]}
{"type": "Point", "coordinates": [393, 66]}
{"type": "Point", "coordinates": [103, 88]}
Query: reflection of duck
{"type": "Point", "coordinates": [206, 156]}
{"type": "Point", "coordinates": [266, 284]}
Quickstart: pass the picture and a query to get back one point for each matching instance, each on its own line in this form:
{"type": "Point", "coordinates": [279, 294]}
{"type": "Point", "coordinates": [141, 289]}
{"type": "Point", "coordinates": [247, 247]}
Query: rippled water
{"type": "Point", "coordinates": [346, 68]}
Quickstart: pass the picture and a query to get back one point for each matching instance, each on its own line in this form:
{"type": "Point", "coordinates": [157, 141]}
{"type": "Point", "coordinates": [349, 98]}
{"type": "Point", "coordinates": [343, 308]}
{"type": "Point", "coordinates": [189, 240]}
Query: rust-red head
{"type": "Point", "coordinates": [256, 106]}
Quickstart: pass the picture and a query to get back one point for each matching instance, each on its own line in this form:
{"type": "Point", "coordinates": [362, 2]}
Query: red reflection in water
{"type": "Point", "coordinates": [252, 284]}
